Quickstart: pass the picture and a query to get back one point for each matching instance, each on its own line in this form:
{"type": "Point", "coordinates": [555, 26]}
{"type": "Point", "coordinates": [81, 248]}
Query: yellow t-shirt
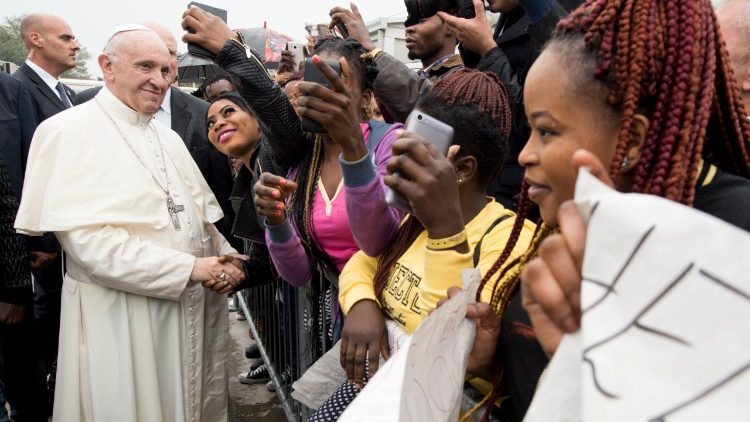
{"type": "Point", "coordinates": [421, 277]}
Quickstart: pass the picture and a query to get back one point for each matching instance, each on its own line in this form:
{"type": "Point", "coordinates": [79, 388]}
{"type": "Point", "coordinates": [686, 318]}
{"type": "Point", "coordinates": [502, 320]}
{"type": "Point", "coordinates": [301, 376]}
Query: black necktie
{"type": "Point", "coordinates": [63, 95]}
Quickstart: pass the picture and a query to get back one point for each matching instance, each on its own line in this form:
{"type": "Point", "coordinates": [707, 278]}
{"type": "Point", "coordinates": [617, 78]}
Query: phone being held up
{"type": "Point", "coordinates": [435, 132]}
{"type": "Point", "coordinates": [299, 51]}
{"type": "Point", "coordinates": [194, 49]}
{"type": "Point", "coordinates": [312, 74]}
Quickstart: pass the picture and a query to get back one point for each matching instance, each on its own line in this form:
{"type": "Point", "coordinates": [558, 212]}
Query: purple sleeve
{"type": "Point", "coordinates": [288, 254]}
{"type": "Point", "coordinates": [373, 223]}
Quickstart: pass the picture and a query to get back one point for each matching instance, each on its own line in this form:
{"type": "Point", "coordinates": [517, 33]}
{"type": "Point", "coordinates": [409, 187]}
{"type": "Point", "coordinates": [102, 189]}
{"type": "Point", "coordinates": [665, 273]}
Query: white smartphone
{"type": "Point", "coordinates": [435, 132]}
{"type": "Point", "coordinates": [298, 48]}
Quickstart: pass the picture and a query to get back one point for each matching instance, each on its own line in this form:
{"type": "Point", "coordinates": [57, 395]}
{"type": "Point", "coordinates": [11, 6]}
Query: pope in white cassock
{"type": "Point", "coordinates": [141, 338]}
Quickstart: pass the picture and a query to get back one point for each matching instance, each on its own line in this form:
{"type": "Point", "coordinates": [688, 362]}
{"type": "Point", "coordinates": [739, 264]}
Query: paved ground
{"type": "Point", "coordinates": [247, 403]}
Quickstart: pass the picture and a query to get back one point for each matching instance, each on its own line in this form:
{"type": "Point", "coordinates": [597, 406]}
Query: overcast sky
{"type": "Point", "coordinates": [91, 21]}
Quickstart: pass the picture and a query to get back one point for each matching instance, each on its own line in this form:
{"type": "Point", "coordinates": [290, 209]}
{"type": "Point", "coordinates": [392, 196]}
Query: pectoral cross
{"type": "Point", "coordinates": [173, 210]}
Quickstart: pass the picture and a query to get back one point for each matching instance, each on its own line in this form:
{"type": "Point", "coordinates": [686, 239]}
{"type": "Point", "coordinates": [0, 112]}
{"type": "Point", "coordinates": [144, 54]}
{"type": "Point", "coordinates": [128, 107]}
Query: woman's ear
{"type": "Point", "coordinates": [367, 97]}
{"type": "Point", "coordinates": [466, 168]}
{"type": "Point", "coordinates": [638, 132]}
{"type": "Point", "coordinates": [745, 86]}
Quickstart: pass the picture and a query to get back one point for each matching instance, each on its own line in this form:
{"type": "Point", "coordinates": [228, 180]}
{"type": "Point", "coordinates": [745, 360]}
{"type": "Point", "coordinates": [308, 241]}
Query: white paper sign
{"type": "Point", "coordinates": [424, 380]}
{"type": "Point", "coordinates": [666, 324]}
{"type": "Point", "coordinates": [326, 375]}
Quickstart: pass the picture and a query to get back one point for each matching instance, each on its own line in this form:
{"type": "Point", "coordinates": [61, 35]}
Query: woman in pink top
{"type": "Point", "coordinates": [333, 203]}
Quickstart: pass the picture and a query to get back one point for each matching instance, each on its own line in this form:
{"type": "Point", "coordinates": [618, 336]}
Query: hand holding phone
{"type": "Point", "coordinates": [190, 20]}
{"type": "Point", "coordinates": [341, 28]}
{"type": "Point", "coordinates": [439, 134]}
{"type": "Point", "coordinates": [312, 74]}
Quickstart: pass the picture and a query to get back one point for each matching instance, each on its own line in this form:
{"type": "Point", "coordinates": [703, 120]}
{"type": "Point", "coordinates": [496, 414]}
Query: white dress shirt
{"type": "Point", "coordinates": [164, 113]}
{"type": "Point", "coordinates": [48, 79]}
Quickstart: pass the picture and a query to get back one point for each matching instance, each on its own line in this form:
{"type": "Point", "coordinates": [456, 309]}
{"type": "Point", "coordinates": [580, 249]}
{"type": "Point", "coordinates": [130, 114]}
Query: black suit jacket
{"type": "Point", "coordinates": [18, 122]}
{"type": "Point", "coordinates": [46, 100]}
{"type": "Point", "coordinates": [189, 121]}
{"type": "Point", "coordinates": [46, 104]}
{"type": "Point", "coordinates": [86, 95]}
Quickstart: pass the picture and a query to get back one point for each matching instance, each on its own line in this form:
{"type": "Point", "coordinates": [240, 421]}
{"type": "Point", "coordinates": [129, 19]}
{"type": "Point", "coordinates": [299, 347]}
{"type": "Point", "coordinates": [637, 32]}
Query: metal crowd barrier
{"type": "Point", "coordinates": [281, 318]}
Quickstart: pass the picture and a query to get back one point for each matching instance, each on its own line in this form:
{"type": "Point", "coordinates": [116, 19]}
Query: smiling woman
{"type": "Point", "coordinates": [648, 102]}
{"type": "Point", "coordinates": [232, 127]}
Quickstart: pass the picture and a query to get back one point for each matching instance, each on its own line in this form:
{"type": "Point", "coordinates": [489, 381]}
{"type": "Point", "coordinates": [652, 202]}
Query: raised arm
{"type": "Point", "coordinates": [373, 223]}
{"type": "Point", "coordinates": [293, 261]}
{"type": "Point", "coordinates": [288, 143]}
{"type": "Point", "coordinates": [280, 123]}
{"type": "Point", "coordinates": [397, 87]}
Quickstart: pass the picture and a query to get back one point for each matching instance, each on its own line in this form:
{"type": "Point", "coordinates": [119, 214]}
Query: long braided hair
{"type": "Point", "coordinates": [308, 172]}
{"type": "Point", "coordinates": [664, 59]}
{"type": "Point", "coordinates": [476, 105]}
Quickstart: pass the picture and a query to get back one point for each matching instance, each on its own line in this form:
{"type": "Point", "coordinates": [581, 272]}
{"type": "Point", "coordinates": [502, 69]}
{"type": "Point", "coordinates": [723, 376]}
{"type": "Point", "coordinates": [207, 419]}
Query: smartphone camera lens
{"type": "Point", "coordinates": [419, 117]}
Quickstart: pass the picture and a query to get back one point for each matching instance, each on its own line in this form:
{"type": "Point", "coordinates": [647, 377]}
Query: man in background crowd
{"type": "Point", "coordinates": [734, 18]}
{"type": "Point", "coordinates": [21, 374]}
{"type": "Point", "coordinates": [52, 49]}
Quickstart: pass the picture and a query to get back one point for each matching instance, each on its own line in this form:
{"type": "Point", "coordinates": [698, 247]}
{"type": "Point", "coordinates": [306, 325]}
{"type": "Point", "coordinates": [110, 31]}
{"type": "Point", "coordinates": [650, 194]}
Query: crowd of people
{"type": "Point", "coordinates": [130, 211]}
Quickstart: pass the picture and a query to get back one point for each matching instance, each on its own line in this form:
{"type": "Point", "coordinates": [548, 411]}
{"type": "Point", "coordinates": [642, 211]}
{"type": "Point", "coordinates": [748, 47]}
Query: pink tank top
{"type": "Point", "coordinates": [330, 224]}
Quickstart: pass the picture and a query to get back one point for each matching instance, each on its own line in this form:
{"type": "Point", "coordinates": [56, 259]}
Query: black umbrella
{"type": "Point", "coordinates": [194, 70]}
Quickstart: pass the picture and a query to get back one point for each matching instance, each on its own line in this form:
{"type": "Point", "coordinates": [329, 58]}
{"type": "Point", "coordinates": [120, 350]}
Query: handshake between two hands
{"type": "Point", "coordinates": [222, 274]}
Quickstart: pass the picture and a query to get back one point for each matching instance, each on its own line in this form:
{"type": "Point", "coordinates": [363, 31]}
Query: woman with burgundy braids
{"type": "Point", "coordinates": [648, 102]}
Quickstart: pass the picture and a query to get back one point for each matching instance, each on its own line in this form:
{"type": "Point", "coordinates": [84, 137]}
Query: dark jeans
{"type": "Point", "coordinates": [47, 296]}
{"type": "Point", "coordinates": [22, 370]}
{"type": "Point", "coordinates": [3, 412]}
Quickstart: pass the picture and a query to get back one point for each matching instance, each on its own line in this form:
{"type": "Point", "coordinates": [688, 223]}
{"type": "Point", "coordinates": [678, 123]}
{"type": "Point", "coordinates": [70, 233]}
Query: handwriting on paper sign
{"type": "Point", "coordinates": [661, 312]}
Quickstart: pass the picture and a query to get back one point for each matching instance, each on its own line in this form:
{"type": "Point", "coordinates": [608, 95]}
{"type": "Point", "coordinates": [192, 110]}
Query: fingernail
{"type": "Point", "coordinates": [279, 206]}
{"type": "Point", "coordinates": [570, 324]}
{"type": "Point", "coordinates": [316, 59]}
{"type": "Point", "coordinates": [282, 182]}
{"type": "Point", "coordinates": [276, 194]}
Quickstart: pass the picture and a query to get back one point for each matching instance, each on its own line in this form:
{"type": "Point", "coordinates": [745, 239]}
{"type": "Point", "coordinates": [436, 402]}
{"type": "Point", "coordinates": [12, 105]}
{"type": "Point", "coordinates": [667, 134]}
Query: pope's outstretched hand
{"type": "Point", "coordinates": [218, 273]}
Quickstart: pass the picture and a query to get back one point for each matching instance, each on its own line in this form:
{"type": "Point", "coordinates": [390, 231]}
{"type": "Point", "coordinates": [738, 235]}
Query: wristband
{"type": "Point", "coordinates": [370, 55]}
{"type": "Point", "coordinates": [447, 242]}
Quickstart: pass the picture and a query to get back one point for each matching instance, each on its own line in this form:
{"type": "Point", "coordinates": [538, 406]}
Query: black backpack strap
{"type": "Point", "coordinates": [478, 248]}
{"type": "Point", "coordinates": [378, 130]}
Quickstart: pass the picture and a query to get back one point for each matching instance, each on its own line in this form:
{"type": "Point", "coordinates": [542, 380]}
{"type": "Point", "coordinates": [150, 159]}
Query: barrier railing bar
{"type": "Point", "coordinates": [271, 370]}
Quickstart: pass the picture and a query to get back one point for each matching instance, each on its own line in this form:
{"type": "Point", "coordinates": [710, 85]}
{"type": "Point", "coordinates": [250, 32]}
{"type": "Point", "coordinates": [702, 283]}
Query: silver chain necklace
{"type": "Point", "coordinates": [172, 208]}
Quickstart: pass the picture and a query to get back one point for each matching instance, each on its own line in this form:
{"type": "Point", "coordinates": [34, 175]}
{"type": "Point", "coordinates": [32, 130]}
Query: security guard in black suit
{"type": "Point", "coordinates": [52, 49]}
